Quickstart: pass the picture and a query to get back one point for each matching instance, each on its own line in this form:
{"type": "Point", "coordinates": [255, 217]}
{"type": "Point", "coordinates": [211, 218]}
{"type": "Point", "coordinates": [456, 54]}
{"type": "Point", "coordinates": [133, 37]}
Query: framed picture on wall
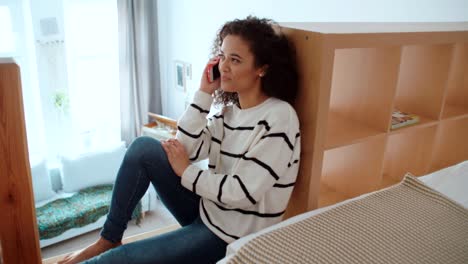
{"type": "Point", "coordinates": [179, 70]}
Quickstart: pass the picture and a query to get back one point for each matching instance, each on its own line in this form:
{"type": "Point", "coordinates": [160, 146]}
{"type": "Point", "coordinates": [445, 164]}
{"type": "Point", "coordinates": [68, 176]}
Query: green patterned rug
{"type": "Point", "coordinates": [83, 208]}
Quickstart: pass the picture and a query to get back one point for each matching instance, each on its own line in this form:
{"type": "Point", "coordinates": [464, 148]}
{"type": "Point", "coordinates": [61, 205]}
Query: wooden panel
{"type": "Point", "coordinates": [354, 28]}
{"type": "Point", "coordinates": [355, 169]}
{"type": "Point", "coordinates": [451, 145]}
{"type": "Point", "coordinates": [364, 84]}
{"type": "Point", "coordinates": [409, 152]}
{"type": "Point", "coordinates": [456, 100]}
{"type": "Point", "coordinates": [18, 226]}
{"type": "Point", "coordinates": [382, 40]}
{"type": "Point", "coordinates": [1, 255]}
{"type": "Point", "coordinates": [342, 131]}
{"type": "Point", "coordinates": [422, 80]}
{"type": "Point", "coordinates": [310, 111]}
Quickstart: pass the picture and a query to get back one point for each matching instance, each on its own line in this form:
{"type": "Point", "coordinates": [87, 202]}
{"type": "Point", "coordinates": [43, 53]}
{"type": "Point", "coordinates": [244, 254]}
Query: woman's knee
{"type": "Point", "coordinates": [144, 147]}
{"type": "Point", "coordinates": [144, 141]}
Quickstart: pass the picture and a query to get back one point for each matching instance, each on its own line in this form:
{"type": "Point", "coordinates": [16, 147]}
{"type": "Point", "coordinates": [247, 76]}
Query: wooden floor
{"type": "Point", "coordinates": [127, 240]}
{"type": "Point", "coordinates": [156, 221]}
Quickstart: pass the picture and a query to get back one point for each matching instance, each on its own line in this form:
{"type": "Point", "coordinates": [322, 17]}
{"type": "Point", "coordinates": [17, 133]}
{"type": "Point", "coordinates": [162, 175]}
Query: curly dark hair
{"type": "Point", "coordinates": [269, 47]}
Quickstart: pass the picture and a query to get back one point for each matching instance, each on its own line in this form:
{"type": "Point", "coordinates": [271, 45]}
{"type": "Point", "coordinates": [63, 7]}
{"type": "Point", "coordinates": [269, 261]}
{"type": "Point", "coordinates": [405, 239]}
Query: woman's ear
{"type": "Point", "coordinates": [262, 71]}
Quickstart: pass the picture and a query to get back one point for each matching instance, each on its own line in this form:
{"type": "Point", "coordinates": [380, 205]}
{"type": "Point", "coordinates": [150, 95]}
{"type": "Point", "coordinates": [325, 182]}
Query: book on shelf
{"type": "Point", "coordinates": [158, 133]}
{"type": "Point", "coordinates": [402, 119]}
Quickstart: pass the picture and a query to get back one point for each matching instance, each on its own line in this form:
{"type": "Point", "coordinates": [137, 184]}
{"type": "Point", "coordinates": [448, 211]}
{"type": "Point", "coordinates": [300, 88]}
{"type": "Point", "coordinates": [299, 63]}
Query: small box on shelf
{"type": "Point", "coordinates": [161, 128]}
{"type": "Point", "coordinates": [156, 132]}
{"type": "Point", "coordinates": [402, 119]}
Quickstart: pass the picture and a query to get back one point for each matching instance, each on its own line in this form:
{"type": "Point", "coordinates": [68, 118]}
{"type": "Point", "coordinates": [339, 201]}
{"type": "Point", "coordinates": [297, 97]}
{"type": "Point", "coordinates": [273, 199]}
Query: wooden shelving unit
{"type": "Point", "coordinates": [352, 76]}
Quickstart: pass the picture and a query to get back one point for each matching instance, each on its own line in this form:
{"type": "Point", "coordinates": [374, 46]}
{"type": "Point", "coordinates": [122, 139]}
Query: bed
{"type": "Point", "coordinates": [451, 183]}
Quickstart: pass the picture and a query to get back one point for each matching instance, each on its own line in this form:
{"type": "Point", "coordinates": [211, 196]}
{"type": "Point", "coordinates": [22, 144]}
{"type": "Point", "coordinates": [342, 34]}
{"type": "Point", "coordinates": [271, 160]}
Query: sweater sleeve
{"type": "Point", "coordinates": [194, 130]}
{"type": "Point", "coordinates": [266, 161]}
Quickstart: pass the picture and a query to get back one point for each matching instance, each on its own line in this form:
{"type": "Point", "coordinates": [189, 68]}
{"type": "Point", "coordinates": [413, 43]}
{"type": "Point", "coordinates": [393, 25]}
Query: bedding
{"type": "Point", "coordinates": [81, 209]}
{"type": "Point", "coordinates": [450, 182]}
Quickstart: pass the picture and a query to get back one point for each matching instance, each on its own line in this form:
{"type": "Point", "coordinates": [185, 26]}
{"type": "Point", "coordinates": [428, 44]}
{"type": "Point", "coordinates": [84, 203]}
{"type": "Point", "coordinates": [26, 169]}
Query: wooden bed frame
{"type": "Point", "coordinates": [347, 146]}
{"type": "Point", "coordinates": [18, 228]}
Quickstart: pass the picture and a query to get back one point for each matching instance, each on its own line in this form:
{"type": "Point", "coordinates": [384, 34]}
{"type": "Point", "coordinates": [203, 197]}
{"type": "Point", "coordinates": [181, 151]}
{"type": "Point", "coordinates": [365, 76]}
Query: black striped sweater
{"type": "Point", "coordinates": [253, 163]}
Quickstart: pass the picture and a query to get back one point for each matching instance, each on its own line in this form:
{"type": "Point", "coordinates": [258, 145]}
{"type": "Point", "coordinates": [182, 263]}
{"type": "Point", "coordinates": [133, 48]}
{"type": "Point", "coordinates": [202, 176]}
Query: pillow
{"type": "Point", "coordinates": [91, 169]}
{"type": "Point", "coordinates": [42, 186]}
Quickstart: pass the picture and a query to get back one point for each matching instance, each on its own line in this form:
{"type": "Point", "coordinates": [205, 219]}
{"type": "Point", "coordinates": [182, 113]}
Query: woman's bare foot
{"type": "Point", "coordinates": [92, 250]}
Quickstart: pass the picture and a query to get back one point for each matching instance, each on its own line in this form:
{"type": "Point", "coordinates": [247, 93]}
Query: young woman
{"type": "Point", "coordinates": [253, 147]}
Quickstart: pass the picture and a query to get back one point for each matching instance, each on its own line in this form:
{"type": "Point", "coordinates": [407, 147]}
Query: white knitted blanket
{"type": "Point", "coordinates": [406, 223]}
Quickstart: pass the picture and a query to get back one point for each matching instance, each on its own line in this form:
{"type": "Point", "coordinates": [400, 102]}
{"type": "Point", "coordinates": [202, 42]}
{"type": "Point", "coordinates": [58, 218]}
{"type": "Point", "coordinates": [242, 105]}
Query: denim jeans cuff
{"type": "Point", "coordinates": [112, 232]}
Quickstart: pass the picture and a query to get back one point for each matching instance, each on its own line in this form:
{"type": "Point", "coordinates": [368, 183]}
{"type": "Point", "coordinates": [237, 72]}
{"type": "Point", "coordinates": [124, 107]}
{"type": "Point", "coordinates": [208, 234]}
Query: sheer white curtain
{"type": "Point", "coordinates": [82, 63]}
{"type": "Point", "coordinates": [91, 37]}
{"type": "Point", "coordinates": [17, 42]}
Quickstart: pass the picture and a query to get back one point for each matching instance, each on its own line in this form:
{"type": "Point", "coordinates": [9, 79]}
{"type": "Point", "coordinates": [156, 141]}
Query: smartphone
{"type": "Point", "coordinates": [213, 72]}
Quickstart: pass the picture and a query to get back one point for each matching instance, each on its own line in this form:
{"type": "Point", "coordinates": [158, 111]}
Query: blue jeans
{"type": "Point", "coordinates": [145, 162]}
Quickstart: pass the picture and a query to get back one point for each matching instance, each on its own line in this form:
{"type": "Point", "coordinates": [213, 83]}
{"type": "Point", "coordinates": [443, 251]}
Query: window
{"type": "Point", "coordinates": [91, 37]}
{"type": "Point", "coordinates": [68, 55]}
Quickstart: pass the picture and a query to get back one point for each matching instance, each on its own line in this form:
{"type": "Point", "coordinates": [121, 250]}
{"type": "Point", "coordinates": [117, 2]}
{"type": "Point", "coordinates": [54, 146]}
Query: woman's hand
{"type": "Point", "coordinates": [178, 157]}
{"type": "Point", "coordinates": [205, 85]}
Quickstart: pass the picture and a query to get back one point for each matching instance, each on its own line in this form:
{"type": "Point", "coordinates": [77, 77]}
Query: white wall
{"type": "Point", "coordinates": [187, 28]}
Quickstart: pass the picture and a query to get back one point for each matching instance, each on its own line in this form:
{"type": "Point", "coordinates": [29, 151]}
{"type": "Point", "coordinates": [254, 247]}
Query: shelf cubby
{"type": "Point", "coordinates": [451, 144]}
{"type": "Point", "coordinates": [342, 131]}
{"type": "Point", "coordinates": [422, 79]}
{"type": "Point", "coordinates": [329, 196]}
{"type": "Point", "coordinates": [409, 152]}
{"type": "Point", "coordinates": [362, 90]}
{"type": "Point", "coordinates": [456, 99]}
{"type": "Point", "coordinates": [354, 169]}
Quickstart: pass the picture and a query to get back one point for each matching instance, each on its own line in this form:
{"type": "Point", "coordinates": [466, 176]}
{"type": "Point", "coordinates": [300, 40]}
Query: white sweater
{"type": "Point", "coordinates": [253, 163]}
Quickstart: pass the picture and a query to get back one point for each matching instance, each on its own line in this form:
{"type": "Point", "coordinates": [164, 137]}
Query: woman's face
{"type": "Point", "coordinates": [237, 67]}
